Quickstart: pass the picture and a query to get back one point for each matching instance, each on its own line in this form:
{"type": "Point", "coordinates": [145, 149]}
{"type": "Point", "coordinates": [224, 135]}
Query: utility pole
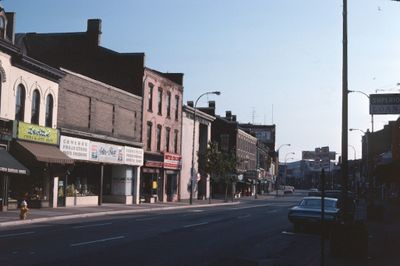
{"type": "Point", "coordinates": [344, 166]}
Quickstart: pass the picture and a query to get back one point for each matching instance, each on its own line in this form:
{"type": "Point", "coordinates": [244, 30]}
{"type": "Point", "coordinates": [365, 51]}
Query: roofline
{"type": "Point", "coordinates": [190, 109]}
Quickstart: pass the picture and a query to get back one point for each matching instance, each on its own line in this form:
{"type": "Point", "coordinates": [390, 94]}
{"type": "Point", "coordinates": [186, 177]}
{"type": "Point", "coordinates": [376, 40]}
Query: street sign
{"type": "Point", "coordinates": [383, 104]}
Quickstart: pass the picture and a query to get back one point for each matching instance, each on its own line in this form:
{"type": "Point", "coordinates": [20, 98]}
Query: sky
{"type": "Point", "coordinates": [275, 62]}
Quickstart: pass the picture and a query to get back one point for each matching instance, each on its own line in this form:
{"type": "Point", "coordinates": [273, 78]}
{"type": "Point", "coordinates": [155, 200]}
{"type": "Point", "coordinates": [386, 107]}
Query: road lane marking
{"type": "Point", "coordinates": [193, 225]}
{"type": "Point", "coordinates": [244, 216]}
{"type": "Point", "coordinates": [17, 234]}
{"type": "Point", "coordinates": [249, 207]}
{"type": "Point", "coordinates": [96, 241]}
{"type": "Point", "coordinates": [287, 233]}
{"type": "Point", "coordinates": [90, 225]}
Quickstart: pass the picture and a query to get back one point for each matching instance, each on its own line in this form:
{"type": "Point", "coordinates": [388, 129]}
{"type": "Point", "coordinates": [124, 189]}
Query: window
{"type": "Point", "coordinates": [176, 141]}
{"type": "Point", "coordinates": [159, 138]}
{"type": "Point", "coordinates": [160, 101]}
{"type": "Point", "coordinates": [176, 107]}
{"type": "Point", "coordinates": [167, 137]}
{"type": "Point", "coordinates": [150, 98]}
{"type": "Point", "coordinates": [35, 107]}
{"type": "Point", "coordinates": [49, 111]}
{"type": "Point", "coordinates": [149, 129]}
{"type": "Point", "coordinates": [168, 104]}
{"type": "Point", "coordinates": [20, 103]}
{"type": "Point", "coordinates": [0, 92]}
{"type": "Point", "coordinates": [2, 27]}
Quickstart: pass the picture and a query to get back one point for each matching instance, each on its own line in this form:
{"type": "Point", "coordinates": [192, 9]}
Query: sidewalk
{"type": "Point", "coordinates": [11, 217]}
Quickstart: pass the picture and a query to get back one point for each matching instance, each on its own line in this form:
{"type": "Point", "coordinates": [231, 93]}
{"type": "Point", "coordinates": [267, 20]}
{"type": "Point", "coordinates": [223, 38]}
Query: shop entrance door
{"type": "Point", "coordinates": [61, 193]}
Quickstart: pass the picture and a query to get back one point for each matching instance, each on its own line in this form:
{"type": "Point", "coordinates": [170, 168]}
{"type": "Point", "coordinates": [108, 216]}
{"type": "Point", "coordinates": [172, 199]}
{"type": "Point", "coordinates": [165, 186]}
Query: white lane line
{"type": "Point", "coordinates": [287, 233]}
{"type": "Point", "coordinates": [90, 225]}
{"type": "Point", "coordinates": [96, 241]}
{"type": "Point", "coordinates": [17, 234]}
{"type": "Point", "coordinates": [249, 207]}
{"type": "Point", "coordinates": [193, 225]}
{"type": "Point", "coordinates": [244, 216]}
{"type": "Point", "coordinates": [146, 219]}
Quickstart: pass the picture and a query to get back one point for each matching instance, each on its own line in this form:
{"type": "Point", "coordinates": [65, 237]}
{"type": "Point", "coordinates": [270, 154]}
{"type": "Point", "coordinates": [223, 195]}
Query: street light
{"type": "Point", "coordinates": [194, 130]}
{"type": "Point", "coordinates": [354, 149]}
{"type": "Point", "coordinates": [366, 134]}
{"type": "Point", "coordinates": [276, 179]}
{"type": "Point", "coordinates": [356, 129]}
{"type": "Point", "coordinates": [372, 116]}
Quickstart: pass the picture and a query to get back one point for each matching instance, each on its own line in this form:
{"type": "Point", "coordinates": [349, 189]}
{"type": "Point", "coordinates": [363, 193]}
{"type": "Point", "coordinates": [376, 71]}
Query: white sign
{"type": "Point", "coordinates": [133, 156]}
{"type": "Point", "coordinates": [86, 150]}
{"type": "Point", "coordinates": [75, 148]}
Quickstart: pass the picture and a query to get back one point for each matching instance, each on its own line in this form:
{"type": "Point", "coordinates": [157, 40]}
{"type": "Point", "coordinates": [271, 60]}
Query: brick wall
{"type": "Point", "coordinates": [95, 107]}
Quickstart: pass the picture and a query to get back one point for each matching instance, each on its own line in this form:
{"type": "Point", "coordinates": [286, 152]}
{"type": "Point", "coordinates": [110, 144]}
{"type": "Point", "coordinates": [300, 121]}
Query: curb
{"type": "Point", "coordinates": [107, 213]}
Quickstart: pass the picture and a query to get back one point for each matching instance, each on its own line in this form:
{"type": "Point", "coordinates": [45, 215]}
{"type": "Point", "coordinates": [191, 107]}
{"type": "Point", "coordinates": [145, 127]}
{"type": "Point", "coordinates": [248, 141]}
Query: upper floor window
{"type": "Point", "coordinates": [35, 107]}
{"type": "Point", "coordinates": [20, 103]}
{"type": "Point", "coordinates": [167, 137]}
{"type": "Point", "coordinates": [168, 104]}
{"type": "Point", "coordinates": [176, 133]}
{"type": "Point", "coordinates": [177, 107]}
{"type": "Point", "coordinates": [2, 27]}
{"type": "Point", "coordinates": [159, 138]}
{"type": "Point", "coordinates": [149, 130]}
{"type": "Point", "coordinates": [49, 111]}
{"type": "Point", "coordinates": [160, 101]}
{"type": "Point", "coordinates": [150, 98]}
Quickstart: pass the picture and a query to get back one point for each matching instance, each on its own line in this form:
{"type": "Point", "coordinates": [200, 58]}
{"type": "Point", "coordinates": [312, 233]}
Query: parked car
{"type": "Point", "coordinates": [288, 189]}
{"type": "Point", "coordinates": [308, 211]}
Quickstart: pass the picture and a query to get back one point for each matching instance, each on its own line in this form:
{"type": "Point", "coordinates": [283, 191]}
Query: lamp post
{"type": "Point", "coordinates": [367, 149]}
{"type": "Point", "coordinates": [276, 180]}
{"type": "Point", "coordinates": [192, 177]}
{"type": "Point", "coordinates": [286, 159]}
{"type": "Point", "coordinates": [372, 116]}
{"type": "Point", "coordinates": [354, 149]}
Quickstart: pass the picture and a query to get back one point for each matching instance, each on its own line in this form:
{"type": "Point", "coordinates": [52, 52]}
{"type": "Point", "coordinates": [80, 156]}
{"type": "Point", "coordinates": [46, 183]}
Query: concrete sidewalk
{"type": "Point", "coordinates": [11, 217]}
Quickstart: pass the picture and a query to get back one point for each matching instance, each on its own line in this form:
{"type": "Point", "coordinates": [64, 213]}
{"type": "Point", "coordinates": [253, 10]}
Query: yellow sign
{"type": "Point", "coordinates": [155, 185]}
{"type": "Point", "coordinates": [37, 133]}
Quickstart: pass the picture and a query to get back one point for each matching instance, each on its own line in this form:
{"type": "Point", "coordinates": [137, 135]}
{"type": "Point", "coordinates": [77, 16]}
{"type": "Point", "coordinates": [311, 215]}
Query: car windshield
{"type": "Point", "coordinates": [316, 203]}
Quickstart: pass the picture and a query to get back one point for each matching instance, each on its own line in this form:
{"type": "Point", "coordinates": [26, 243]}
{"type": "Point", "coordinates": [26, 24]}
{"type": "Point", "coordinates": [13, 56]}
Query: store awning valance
{"type": "Point", "coordinates": [45, 153]}
{"type": "Point", "coordinates": [9, 164]}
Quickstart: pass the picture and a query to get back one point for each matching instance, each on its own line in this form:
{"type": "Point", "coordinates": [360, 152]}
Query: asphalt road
{"type": "Point", "coordinates": [255, 232]}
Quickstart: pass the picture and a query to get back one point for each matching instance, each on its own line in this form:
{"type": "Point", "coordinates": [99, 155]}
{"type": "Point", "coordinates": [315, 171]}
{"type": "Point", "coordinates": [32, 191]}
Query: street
{"type": "Point", "coordinates": [255, 232]}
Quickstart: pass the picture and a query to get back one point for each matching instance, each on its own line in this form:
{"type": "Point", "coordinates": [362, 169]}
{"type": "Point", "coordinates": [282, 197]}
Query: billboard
{"type": "Point", "coordinates": [384, 104]}
{"type": "Point", "coordinates": [37, 133]}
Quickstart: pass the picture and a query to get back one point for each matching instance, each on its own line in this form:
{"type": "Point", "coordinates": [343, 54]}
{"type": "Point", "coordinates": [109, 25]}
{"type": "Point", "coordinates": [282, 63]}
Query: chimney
{"type": "Point", "coordinates": [190, 103]}
{"type": "Point", "coordinates": [211, 104]}
{"type": "Point", "coordinates": [94, 31]}
{"type": "Point", "coordinates": [234, 118]}
{"type": "Point", "coordinates": [228, 115]}
{"type": "Point", "coordinates": [10, 30]}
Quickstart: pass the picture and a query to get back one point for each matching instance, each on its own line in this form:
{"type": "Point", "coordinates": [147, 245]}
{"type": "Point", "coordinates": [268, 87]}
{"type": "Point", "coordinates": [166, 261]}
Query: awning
{"type": "Point", "coordinates": [45, 153]}
{"type": "Point", "coordinates": [9, 164]}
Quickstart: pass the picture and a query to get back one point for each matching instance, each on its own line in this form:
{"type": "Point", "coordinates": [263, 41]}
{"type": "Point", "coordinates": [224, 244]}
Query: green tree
{"type": "Point", "coordinates": [220, 165]}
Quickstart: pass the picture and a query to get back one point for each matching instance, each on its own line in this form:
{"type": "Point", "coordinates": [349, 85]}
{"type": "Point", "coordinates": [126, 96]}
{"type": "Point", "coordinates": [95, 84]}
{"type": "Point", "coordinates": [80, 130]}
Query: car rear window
{"type": "Point", "coordinates": [316, 203]}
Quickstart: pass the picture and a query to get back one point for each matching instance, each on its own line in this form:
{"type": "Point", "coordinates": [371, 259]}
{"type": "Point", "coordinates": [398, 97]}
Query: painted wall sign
{"type": "Point", "coordinates": [37, 133]}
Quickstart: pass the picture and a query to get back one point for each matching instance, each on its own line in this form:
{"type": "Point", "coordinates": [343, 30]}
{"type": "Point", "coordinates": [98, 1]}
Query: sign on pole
{"type": "Point", "coordinates": [383, 104]}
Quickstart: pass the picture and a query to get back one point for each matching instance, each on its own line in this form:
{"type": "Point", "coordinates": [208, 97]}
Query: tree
{"type": "Point", "coordinates": [220, 165]}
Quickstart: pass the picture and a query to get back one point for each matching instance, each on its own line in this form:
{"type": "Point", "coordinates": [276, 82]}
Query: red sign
{"type": "Point", "coordinates": [172, 161]}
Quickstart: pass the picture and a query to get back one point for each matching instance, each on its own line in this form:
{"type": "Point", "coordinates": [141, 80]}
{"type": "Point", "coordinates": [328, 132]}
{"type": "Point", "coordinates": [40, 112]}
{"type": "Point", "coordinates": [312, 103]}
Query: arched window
{"type": "Point", "coordinates": [20, 103]}
{"type": "Point", "coordinates": [49, 110]}
{"type": "Point", "coordinates": [35, 107]}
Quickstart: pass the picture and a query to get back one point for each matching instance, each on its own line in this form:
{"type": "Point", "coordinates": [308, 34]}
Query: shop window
{"type": "Point", "coordinates": [159, 138]}
{"type": "Point", "coordinates": [160, 101]}
{"type": "Point", "coordinates": [49, 111]}
{"type": "Point", "coordinates": [150, 98]}
{"type": "Point", "coordinates": [35, 107]}
{"type": "Point", "coordinates": [149, 130]}
{"type": "Point", "coordinates": [20, 103]}
{"type": "Point", "coordinates": [168, 104]}
{"type": "Point", "coordinates": [167, 138]}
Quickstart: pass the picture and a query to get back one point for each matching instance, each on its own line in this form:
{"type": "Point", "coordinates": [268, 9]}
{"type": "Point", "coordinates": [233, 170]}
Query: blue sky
{"type": "Point", "coordinates": [258, 53]}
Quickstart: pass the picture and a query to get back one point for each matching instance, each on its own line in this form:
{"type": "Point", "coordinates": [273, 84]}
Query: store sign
{"type": "Point", "coordinates": [86, 150]}
{"type": "Point", "coordinates": [37, 133]}
{"type": "Point", "coordinates": [382, 104]}
{"type": "Point", "coordinates": [133, 156]}
{"type": "Point", "coordinates": [75, 148]}
{"type": "Point", "coordinates": [172, 161]}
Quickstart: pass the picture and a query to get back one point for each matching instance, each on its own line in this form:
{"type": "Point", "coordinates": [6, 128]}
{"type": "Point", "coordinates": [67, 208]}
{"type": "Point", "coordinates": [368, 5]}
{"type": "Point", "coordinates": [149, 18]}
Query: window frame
{"type": "Point", "coordinates": [159, 104]}
{"type": "Point", "coordinates": [49, 113]}
{"type": "Point", "coordinates": [149, 134]}
{"type": "Point", "coordinates": [20, 108]}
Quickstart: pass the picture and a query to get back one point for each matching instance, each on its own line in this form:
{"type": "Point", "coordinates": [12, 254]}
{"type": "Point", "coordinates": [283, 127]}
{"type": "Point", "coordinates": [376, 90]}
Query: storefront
{"type": "Point", "coordinates": [103, 172]}
{"type": "Point", "coordinates": [152, 178]}
{"type": "Point", "coordinates": [36, 147]}
{"type": "Point", "coordinates": [172, 166]}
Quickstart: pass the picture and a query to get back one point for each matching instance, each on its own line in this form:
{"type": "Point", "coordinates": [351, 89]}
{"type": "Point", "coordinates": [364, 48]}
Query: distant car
{"type": "Point", "coordinates": [308, 211]}
{"type": "Point", "coordinates": [288, 190]}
